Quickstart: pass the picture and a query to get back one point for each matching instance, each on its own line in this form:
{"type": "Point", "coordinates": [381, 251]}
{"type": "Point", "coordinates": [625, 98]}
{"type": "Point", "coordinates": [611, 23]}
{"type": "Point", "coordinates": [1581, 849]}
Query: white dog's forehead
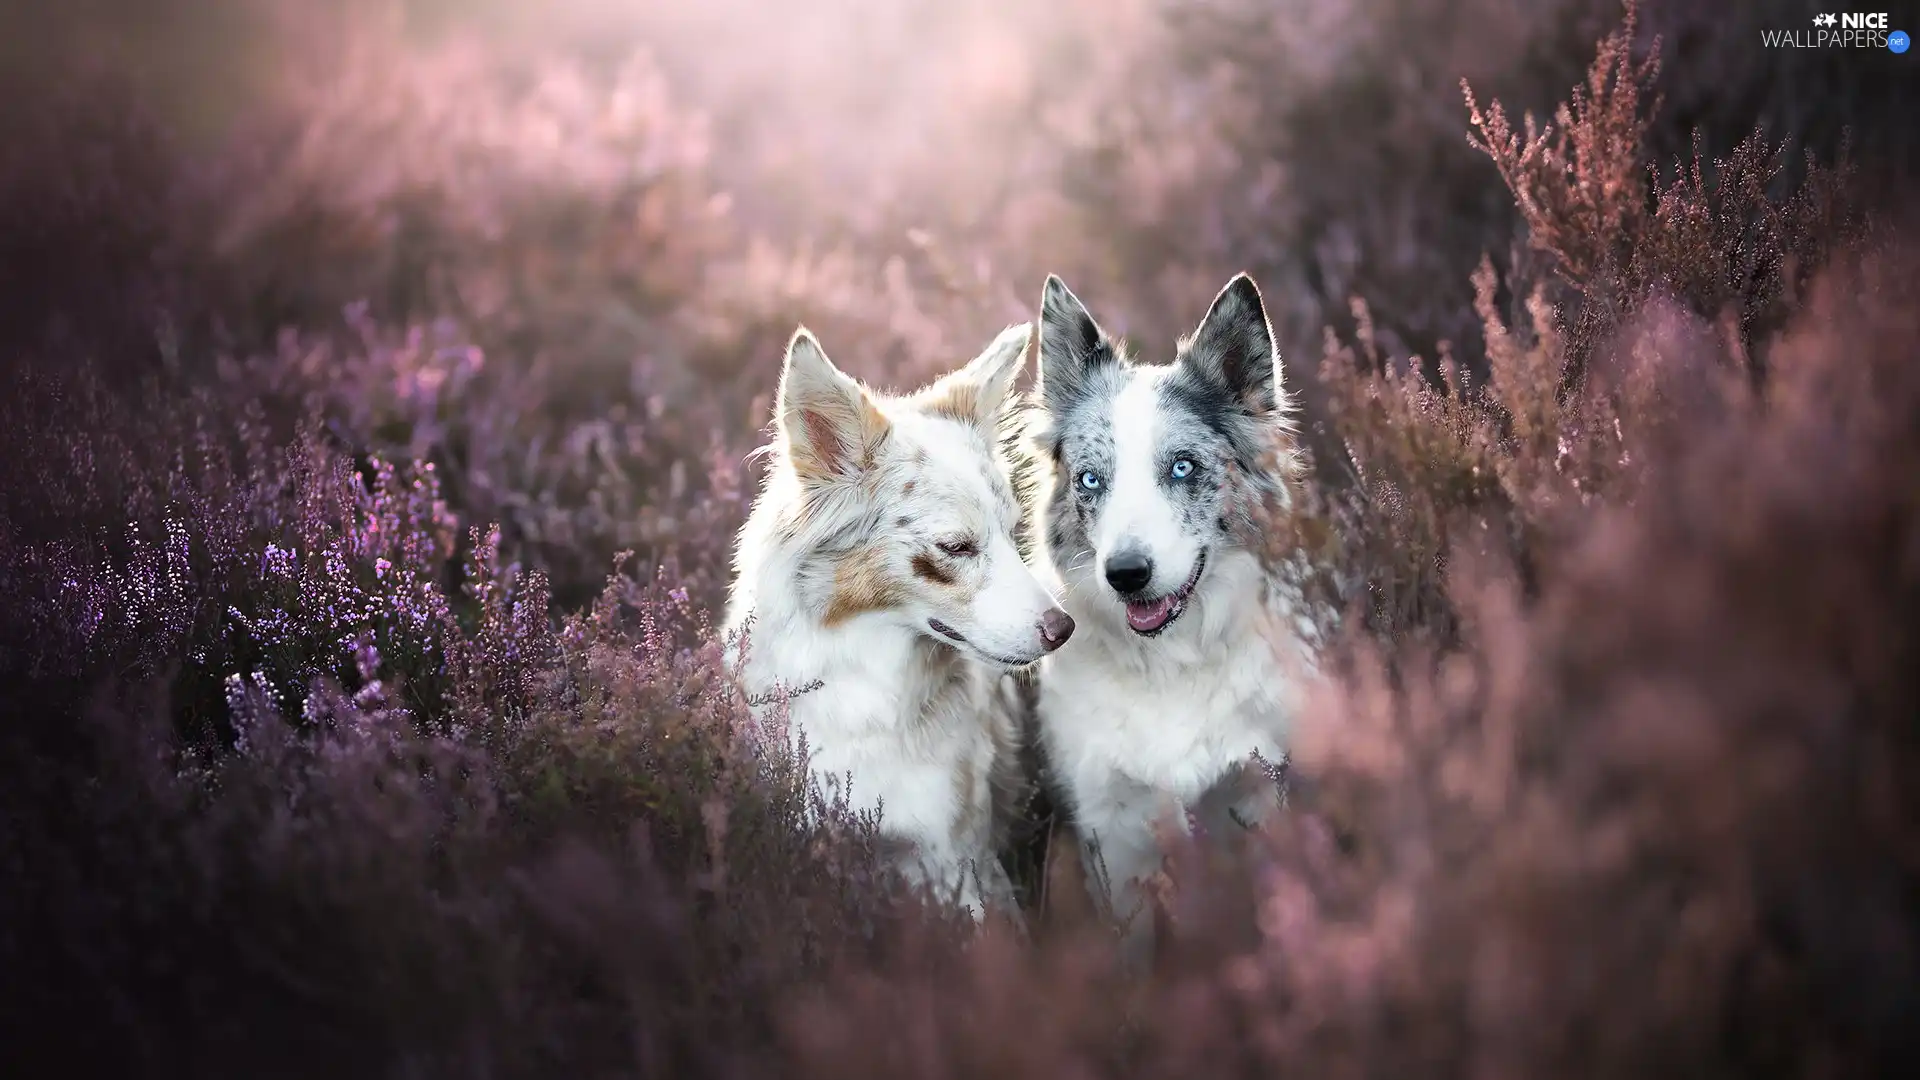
{"type": "Point", "coordinates": [957, 482]}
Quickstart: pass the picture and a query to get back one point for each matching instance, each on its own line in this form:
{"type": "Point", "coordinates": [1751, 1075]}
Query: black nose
{"type": "Point", "coordinates": [1129, 571]}
{"type": "Point", "coordinates": [1056, 627]}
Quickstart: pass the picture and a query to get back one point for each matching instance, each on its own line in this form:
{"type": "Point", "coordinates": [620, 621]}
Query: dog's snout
{"type": "Point", "coordinates": [1056, 627]}
{"type": "Point", "coordinates": [1129, 571]}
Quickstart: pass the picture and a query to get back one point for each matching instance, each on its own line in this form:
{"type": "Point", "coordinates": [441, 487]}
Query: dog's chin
{"type": "Point", "coordinates": [1007, 663]}
{"type": "Point", "coordinates": [959, 641]}
{"type": "Point", "coordinates": [1150, 618]}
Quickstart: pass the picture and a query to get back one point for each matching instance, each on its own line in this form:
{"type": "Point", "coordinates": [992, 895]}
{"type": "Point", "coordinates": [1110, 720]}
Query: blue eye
{"type": "Point", "coordinates": [1090, 481]}
{"type": "Point", "coordinates": [1182, 469]}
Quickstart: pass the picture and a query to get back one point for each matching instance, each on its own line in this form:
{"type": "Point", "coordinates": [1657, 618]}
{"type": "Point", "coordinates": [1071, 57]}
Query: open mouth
{"type": "Point", "coordinates": [1149, 617]}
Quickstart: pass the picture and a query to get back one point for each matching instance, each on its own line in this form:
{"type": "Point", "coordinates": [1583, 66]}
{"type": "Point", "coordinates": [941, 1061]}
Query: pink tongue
{"type": "Point", "coordinates": [1152, 616]}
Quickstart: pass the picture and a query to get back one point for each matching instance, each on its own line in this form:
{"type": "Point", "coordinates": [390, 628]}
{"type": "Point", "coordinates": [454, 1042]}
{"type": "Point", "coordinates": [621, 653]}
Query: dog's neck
{"type": "Point", "coordinates": [792, 651]}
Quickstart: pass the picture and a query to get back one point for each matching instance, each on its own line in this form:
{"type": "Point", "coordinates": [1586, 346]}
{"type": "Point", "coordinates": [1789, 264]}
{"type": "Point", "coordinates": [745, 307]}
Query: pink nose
{"type": "Point", "coordinates": [1056, 627]}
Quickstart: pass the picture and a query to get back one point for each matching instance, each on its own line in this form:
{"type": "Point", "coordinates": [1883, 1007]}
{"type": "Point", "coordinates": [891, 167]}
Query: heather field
{"type": "Point", "coordinates": [379, 382]}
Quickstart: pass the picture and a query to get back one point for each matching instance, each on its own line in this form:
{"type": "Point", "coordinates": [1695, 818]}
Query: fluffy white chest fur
{"type": "Point", "coordinates": [897, 724]}
{"type": "Point", "coordinates": [1140, 733]}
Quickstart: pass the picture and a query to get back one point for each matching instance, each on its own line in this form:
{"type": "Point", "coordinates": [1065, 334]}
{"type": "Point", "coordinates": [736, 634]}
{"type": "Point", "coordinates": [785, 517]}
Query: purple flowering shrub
{"type": "Point", "coordinates": [1335, 125]}
{"type": "Point", "coordinates": [372, 484]}
{"type": "Point", "coordinates": [1650, 295]}
{"type": "Point", "coordinates": [1654, 821]}
{"type": "Point", "coordinates": [290, 742]}
{"type": "Point", "coordinates": [539, 234]}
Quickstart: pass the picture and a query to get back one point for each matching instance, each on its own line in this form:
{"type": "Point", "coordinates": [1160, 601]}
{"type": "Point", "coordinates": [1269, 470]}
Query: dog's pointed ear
{"type": "Point", "coordinates": [1072, 345]}
{"type": "Point", "coordinates": [827, 421]}
{"type": "Point", "coordinates": [1233, 348]}
{"type": "Point", "coordinates": [976, 393]}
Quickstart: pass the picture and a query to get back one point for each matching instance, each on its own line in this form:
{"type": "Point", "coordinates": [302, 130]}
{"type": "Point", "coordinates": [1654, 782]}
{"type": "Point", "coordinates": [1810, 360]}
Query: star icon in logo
{"type": "Point", "coordinates": [1824, 20]}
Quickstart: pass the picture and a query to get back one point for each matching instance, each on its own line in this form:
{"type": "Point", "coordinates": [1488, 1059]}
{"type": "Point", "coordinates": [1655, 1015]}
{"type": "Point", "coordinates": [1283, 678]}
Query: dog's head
{"type": "Point", "coordinates": [908, 506]}
{"type": "Point", "coordinates": [1157, 468]}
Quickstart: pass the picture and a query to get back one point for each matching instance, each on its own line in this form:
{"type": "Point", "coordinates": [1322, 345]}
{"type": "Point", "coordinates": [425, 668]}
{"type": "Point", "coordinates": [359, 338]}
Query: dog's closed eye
{"type": "Point", "coordinates": [959, 549]}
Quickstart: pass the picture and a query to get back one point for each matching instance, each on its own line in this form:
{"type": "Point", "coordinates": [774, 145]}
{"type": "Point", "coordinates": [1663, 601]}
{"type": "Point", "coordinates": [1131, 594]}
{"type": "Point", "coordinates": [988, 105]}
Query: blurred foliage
{"type": "Point", "coordinates": [380, 384]}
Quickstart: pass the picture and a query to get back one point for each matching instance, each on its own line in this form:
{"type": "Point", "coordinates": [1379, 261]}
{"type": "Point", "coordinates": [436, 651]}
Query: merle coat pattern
{"type": "Point", "coordinates": [1191, 656]}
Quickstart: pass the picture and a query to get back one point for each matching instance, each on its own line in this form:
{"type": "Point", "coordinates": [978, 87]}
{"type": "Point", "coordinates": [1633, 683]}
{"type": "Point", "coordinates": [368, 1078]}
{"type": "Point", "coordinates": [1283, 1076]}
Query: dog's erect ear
{"type": "Point", "coordinates": [975, 394]}
{"type": "Point", "coordinates": [829, 424]}
{"type": "Point", "coordinates": [1233, 347]}
{"type": "Point", "coordinates": [1071, 345]}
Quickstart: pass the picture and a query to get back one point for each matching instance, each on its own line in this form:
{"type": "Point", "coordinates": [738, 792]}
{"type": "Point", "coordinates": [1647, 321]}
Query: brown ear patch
{"type": "Point", "coordinates": [861, 584]}
{"type": "Point", "coordinates": [874, 430]}
{"type": "Point", "coordinates": [824, 451]}
{"type": "Point", "coordinates": [832, 447]}
{"type": "Point", "coordinates": [955, 400]}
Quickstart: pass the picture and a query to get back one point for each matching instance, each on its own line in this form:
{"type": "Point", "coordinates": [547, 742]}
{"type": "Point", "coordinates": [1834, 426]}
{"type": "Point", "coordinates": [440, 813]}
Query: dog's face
{"type": "Point", "coordinates": [910, 508]}
{"type": "Point", "coordinates": [1152, 463]}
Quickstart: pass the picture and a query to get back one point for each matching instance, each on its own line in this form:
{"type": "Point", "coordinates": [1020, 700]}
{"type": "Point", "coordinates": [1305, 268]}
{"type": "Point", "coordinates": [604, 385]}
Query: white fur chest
{"type": "Point", "coordinates": [1172, 714]}
{"type": "Point", "coordinates": [1172, 728]}
{"type": "Point", "coordinates": [1140, 733]}
{"type": "Point", "coordinates": [882, 728]}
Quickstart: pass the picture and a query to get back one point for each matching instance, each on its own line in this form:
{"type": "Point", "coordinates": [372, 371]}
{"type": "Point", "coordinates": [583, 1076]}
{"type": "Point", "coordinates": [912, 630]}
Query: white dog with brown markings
{"type": "Point", "coordinates": [879, 599]}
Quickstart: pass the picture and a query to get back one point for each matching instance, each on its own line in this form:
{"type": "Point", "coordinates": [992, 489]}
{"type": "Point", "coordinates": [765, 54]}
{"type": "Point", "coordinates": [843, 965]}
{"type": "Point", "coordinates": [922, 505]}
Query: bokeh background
{"type": "Point", "coordinates": [351, 347]}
